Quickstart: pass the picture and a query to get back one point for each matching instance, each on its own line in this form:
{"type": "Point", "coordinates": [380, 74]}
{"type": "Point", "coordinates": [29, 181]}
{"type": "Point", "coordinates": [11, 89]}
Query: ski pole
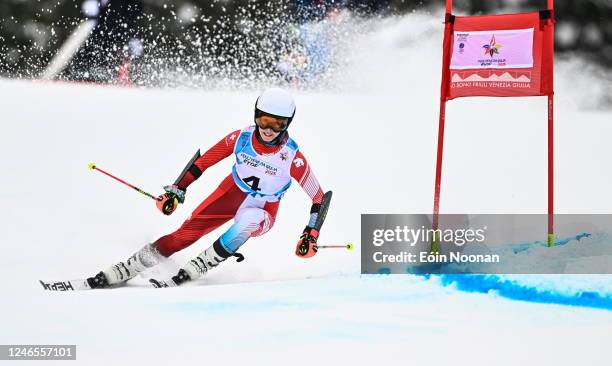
{"type": "Point", "coordinates": [348, 246]}
{"type": "Point", "coordinates": [92, 166]}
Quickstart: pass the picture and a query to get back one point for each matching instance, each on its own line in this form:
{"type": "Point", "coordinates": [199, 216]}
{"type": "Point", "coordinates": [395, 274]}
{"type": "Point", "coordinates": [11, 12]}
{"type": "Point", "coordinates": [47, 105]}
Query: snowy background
{"type": "Point", "coordinates": [372, 140]}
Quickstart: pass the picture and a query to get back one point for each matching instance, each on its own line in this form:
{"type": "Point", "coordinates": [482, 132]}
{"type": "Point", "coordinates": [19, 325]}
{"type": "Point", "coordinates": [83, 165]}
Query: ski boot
{"type": "Point", "coordinates": [121, 272]}
{"type": "Point", "coordinates": [199, 266]}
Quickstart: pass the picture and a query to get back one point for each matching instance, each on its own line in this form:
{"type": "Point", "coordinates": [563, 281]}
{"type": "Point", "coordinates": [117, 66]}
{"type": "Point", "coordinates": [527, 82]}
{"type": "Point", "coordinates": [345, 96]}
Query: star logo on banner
{"type": "Point", "coordinates": [492, 48]}
{"type": "Point", "coordinates": [298, 162]}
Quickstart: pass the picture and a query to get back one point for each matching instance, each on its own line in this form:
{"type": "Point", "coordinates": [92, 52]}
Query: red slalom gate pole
{"type": "Point", "coordinates": [92, 166]}
{"type": "Point", "coordinates": [551, 138]}
{"type": "Point", "coordinates": [551, 173]}
{"type": "Point", "coordinates": [443, 96]}
{"type": "Point", "coordinates": [436, 208]}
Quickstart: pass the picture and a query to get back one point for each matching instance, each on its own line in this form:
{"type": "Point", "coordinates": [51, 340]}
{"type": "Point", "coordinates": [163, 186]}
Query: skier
{"type": "Point", "coordinates": [266, 160]}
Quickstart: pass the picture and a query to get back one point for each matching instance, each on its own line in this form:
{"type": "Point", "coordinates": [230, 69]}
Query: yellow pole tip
{"type": "Point", "coordinates": [350, 246]}
{"type": "Point", "coordinates": [551, 240]}
{"type": "Point", "coordinates": [91, 166]}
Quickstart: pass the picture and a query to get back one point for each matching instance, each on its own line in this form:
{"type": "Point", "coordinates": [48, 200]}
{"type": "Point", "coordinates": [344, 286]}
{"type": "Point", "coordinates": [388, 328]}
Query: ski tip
{"type": "Point", "coordinates": [350, 246]}
{"type": "Point", "coordinates": [70, 285]}
{"type": "Point", "coordinates": [91, 166]}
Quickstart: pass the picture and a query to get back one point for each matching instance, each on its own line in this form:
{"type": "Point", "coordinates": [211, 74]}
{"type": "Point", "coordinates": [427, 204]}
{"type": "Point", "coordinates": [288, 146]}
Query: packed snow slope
{"type": "Point", "coordinates": [371, 140]}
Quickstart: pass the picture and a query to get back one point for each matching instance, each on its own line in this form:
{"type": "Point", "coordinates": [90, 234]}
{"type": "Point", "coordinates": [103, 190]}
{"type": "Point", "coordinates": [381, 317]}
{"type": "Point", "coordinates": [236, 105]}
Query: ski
{"type": "Point", "coordinates": [70, 285]}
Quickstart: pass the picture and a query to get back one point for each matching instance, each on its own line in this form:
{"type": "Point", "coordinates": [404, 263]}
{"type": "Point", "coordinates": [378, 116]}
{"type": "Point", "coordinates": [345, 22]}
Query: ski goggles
{"type": "Point", "coordinates": [273, 123]}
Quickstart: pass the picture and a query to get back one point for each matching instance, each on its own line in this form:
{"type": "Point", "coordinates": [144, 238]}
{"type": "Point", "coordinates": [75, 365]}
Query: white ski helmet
{"type": "Point", "coordinates": [275, 102]}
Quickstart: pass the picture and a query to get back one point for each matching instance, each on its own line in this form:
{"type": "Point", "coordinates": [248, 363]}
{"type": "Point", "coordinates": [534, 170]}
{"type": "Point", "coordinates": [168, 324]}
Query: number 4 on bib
{"type": "Point", "coordinates": [253, 182]}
